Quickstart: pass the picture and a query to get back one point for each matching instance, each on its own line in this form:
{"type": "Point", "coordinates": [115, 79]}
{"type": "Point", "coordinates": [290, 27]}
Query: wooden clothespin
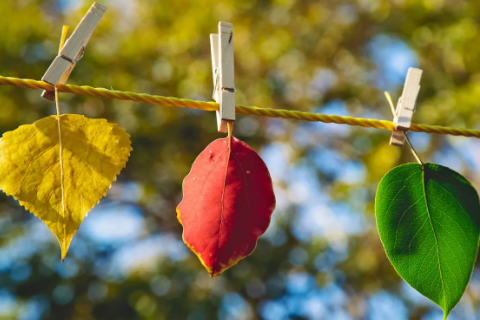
{"type": "Point", "coordinates": [223, 74]}
{"type": "Point", "coordinates": [406, 106]}
{"type": "Point", "coordinates": [72, 51]}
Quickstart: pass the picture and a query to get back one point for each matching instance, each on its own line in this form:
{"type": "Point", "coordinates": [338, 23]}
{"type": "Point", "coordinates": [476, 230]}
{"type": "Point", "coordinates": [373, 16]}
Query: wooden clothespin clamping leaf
{"type": "Point", "coordinates": [406, 106]}
{"type": "Point", "coordinates": [73, 50]}
{"type": "Point", "coordinates": [223, 74]}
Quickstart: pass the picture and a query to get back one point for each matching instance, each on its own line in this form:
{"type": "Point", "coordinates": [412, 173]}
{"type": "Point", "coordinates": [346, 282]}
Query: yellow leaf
{"type": "Point", "coordinates": [60, 180]}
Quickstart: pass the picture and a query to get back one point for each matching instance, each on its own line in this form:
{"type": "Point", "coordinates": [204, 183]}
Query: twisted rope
{"type": "Point", "coordinates": [213, 106]}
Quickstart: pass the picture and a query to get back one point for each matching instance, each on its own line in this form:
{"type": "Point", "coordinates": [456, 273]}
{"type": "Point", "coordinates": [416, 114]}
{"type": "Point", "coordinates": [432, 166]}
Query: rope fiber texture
{"type": "Point", "coordinates": [213, 106]}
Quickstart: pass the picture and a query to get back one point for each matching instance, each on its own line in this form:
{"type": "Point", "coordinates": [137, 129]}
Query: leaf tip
{"type": "Point", "coordinates": [64, 253]}
{"type": "Point", "coordinates": [64, 246]}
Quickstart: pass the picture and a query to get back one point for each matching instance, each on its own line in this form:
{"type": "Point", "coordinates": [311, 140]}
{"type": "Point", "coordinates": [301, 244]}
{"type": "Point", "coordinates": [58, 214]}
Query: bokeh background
{"type": "Point", "coordinates": [321, 257]}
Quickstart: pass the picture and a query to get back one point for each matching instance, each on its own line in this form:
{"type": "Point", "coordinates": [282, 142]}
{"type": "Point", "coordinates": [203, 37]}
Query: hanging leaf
{"type": "Point", "coordinates": [428, 219]}
{"type": "Point", "coordinates": [61, 191]}
{"type": "Point", "coordinates": [227, 203]}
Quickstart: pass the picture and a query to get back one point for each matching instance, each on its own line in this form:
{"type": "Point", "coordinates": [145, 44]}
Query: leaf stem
{"type": "Point", "coordinates": [230, 129]}
{"type": "Point", "coordinates": [392, 108]}
{"type": "Point", "coordinates": [413, 150]}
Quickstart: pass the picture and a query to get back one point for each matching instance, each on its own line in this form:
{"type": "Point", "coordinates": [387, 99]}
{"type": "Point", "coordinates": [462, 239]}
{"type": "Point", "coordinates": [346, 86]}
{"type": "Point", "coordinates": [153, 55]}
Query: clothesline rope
{"type": "Point", "coordinates": [213, 106]}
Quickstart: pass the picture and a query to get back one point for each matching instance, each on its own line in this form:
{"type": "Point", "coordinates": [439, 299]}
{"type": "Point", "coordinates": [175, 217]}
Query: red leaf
{"type": "Point", "coordinates": [227, 203]}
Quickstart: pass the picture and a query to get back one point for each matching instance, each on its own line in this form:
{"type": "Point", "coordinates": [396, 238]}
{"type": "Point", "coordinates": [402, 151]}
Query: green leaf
{"type": "Point", "coordinates": [428, 219]}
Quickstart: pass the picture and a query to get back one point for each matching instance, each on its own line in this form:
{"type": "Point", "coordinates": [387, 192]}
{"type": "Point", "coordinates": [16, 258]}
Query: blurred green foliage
{"type": "Point", "coordinates": [323, 56]}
